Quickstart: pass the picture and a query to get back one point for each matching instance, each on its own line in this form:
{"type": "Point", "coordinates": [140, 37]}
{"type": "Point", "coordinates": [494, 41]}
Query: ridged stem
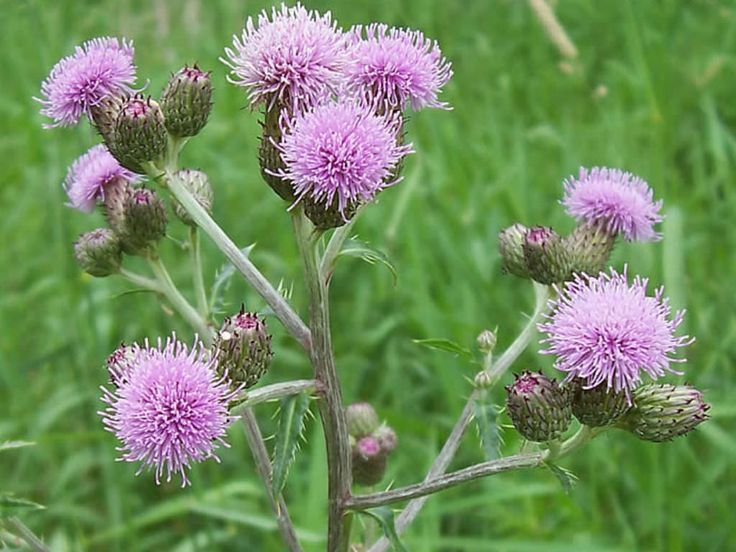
{"type": "Point", "coordinates": [197, 275]}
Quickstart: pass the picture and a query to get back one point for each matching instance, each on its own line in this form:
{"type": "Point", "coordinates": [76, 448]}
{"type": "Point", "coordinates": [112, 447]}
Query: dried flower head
{"type": "Point", "coordinates": [90, 174]}
{"type": "Point", "coordinates": [170, 409]}
{"type": "Point", "coordinates": [621, 202]}
{"type": "Point", "coordinates": [98, 68]}
{"type": "Point", "coordinates": [294, 58]}
{"type": "Point", "coordinates": [605, 330]}
{"type": "Point", "coordinates": [340, 150]}
{"type": "Point", "coordinates": [395, 66]}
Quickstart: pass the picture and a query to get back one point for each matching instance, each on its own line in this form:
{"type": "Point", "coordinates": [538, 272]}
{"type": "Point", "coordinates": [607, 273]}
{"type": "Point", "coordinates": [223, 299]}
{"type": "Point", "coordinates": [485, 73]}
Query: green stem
{"type": "Point", "coordinates": [141, 281]}
{"type": "Point", "coordinates": [327, 266]}
{"type": "Point", "coordinates": [178, 301]}
{"type": "Point", "coordinates": [272, 392]}
{"type": "Point", "coordinates": [197, 275]}
{"type": "Point", "coordinates": [20, 528]}
{"type": "Point", "coordinates": [331, 408]}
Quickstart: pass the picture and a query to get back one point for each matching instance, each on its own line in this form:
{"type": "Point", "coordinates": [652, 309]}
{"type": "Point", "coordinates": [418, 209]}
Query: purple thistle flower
{"type": "Point", "coordinates": [340, 149]}
{"type": "Point", "coordinates": [295, 57]}
{"type": "Point", "coordinates": [395, 66]}
{"type": "Point", "coordinates": [621, 201]}
{"type": "Point", "coordinates": [605, 330]}
{"type": "Point", "coordinates": [90, 174]}
{"type": "Point", "coordinates": [98, 68]}
{"type": "Point", "coordinates": [169, 409]}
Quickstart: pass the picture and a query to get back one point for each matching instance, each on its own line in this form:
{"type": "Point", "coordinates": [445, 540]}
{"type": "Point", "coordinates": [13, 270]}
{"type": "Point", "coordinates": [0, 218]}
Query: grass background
{"type": "Point", "coordinates": [653, 94]}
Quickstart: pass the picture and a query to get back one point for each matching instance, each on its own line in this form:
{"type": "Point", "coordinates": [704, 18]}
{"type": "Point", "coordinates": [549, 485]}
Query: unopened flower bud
{"type": "Point", "coordinates": [197, 183]}
{"type": "Point", "coordinates": [243, 348]}
{"type": "Point", "coordinates": [599, 406]}
{"type": "Point", "coordinates": [664, 411]}
{"type": "Point", "coordinates": [546, 257]}
{"type": "Point", "coordinates": [510, 246]}
{"type": "Point", "coordinates": [140, 135]}
{"type": "Point", "coordinates": [98, 252]}
{"type": "Point", "coordinates": [486, 341]}
{"type": "Point", "coordinates": [538, 407]}
{"type": "Point", "coordinates": [362, 419]}
{"type": "Point", "coordinates": [144, 221]}
{"type": "Point", "coordinates": [482, 380]}
{"type": "Point", "coordinates": [269, 155]}
{"type": "Point", "coordinates": [387, 438]}
{"type": "Point", "coordinates": [114, 200]}
{"type": "Point", "coordinates": [369, 461]}
{"type": "Point", "coordinates": [186, 101]}
{"type": "Point", "coordinates": [119, 363]}
{"type": "Point", "coordinates": [589, 247]}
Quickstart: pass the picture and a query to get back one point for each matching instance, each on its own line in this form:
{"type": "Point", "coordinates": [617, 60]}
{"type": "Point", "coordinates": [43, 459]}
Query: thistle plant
{"type": "Point", "coordinates": [334, 108]}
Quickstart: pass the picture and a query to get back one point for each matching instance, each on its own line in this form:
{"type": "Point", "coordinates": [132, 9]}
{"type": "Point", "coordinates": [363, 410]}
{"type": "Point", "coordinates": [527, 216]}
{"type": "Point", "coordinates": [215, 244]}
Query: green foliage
{"type": "Point", "coordinates": [519, 125]}
{"type": "Point", "coordinates": [384, 516]}
{"type": "Point", "coordinates": [290, 432]}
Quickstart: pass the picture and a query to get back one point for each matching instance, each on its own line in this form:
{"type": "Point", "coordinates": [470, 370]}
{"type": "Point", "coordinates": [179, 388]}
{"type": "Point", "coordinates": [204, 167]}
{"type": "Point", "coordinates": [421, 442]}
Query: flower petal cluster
{"type": "Point", "coordinates": [622, 202]}
{"type": "Point", "coordinates": [341, 150]}
{"type": "Point", "coordinates": [90, 174]}
{"type": "Point", "coordinates": [168, 407]}
{"type": "Point", "coordinates": [295, 57]}
{"type": "Point", "coordinates": [607, 330]}
{"type": "Point", "coordinates": [98, 68]}
{"type": "Point", "coordinates": [390, 66]}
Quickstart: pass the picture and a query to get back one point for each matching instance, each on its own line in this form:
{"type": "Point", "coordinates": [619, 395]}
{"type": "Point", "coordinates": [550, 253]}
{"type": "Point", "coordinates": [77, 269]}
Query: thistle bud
{"type": "Point", "coordinates": [369, 461]}
{"type": "Point", "coordinates": [510, 246]}
{"type": "Point", "coordinates": [269, 156]}
{"type": "Point", "coordinates": [546, 257]}
{"type": "Point", "coordinates": [589, 246]}
{"type": "Point", "coordinates": [486, 341]}
{"type": "Point", "coordinates": [243, 348]}
{"type": "Point", "coordinates": [387, 439]}
{"type": "Point", "coordinates": [144, 222]}
{"type": "Point", "coordinates": [482, 380]}
{"type": "Point", "coordinates": [663, 411]}
{"type": "Point", "coordinates": [186, 101]}
{"type": "Point", "coordinates": [599, 406]}
{"type": "Point", "coordinates": [139, 136]}
{"type": "Point", "coordinates": [119, 363]}
{"type": "Point", "coordinates": [197, 183]}
{"type": "Point", "coordinates": [362, 419]}
{"type": "Point", "coordinates": [98, 252]}
{"type": "Point", "coordinates": [538, 407]}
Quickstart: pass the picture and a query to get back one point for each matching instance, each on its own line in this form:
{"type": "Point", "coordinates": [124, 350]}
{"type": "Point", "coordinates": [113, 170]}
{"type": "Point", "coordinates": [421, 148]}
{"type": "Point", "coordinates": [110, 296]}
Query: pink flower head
{"type": "Point", "coordinates": [168, 408]}
{"type": "Point", "coordinates": [395, 66]}
{"type": "Point", "coordinates": [90, 174]}
{"type": "Point", "coordinates": [619, 200]}
{"type": "Point", "coordinates": [605, 330]}
{"type": "Point", "coordinates": [295, 57]}
{"type": "Point", "coordinates": [98, 68]}
{"type": "Point", "coordinates": [340, 149]}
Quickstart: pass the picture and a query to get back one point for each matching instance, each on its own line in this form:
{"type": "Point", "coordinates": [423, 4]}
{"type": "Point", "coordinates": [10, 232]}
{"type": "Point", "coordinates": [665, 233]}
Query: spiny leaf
{"type": "Point", "coordinates": [7, 445]}
{"type": "Point", "coordinates": [566, 478]}
{"type": "Point", "coordinates": [354, 247]}
{"type": "Point", "coordinates": [290, 427]}
{"type": "Point", "coordinates": [10, 505]}
{"type": "Point", "coordinates": [485, 416]}
{"type": "Point", "coordinates": [441, 344]}
{"type": "Point", "coordinates": [385, 518]}
{"type": "Point", "coordinates": [222, 282]}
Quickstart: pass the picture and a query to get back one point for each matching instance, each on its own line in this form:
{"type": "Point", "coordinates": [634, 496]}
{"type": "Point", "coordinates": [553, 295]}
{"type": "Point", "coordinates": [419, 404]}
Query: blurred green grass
{"type": "Point", "coordinates": [664, 72]}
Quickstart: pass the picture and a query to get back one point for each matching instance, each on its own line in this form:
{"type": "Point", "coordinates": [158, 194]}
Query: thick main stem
{"type": "Point", "coordinates": [273, 298]}
{"type": "Point", "coordinates": [331, 407]}
{"type": "Point", "coordinates": [263, 465]}
{"type": "Point", "coordinates": [496, 371]}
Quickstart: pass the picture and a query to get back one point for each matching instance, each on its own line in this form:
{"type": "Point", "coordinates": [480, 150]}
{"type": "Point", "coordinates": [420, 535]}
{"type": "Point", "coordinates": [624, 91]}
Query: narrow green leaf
{"type": "Point", "coordinates": [485, 416]}
{"type": "Point", "coordinates": [291, 425]}
{"type": "Point", "coordinates": [10, 505]}
{"type": "Point", "coordinates": [353, 247]}
{"type": "Point", "coordinates": [385, 518]}
{"type": "Point", "coordinates": [7, 445]}
{"type": "Point", "coordinates": [566, 478]}
{"type": "Point", "coordinates": [441, 344]}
